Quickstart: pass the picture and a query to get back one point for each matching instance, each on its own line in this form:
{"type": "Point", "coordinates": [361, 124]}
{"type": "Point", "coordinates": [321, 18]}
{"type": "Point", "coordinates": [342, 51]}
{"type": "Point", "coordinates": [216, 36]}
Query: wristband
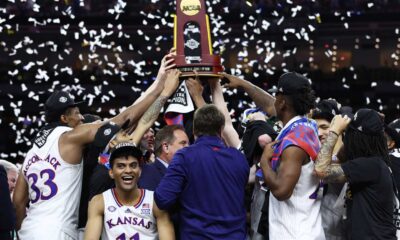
{"type": "Point", "coordinates": [334, 132]}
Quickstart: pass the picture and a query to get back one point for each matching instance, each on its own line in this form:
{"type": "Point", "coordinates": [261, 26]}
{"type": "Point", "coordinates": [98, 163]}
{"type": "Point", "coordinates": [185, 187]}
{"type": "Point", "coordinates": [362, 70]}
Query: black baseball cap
{"type": "Point", "coordinates": [291, 83]}
{"type": "Point", "coordinates": [326, 109]}
{"type": "Point", "coordinates": [368, 121]}
{"type": "Point", "coordinates": [128, 148]}
{"type": "Point", "coordinates": [60, 100]}
{"type": "Point", "coordinates": [393, 130]}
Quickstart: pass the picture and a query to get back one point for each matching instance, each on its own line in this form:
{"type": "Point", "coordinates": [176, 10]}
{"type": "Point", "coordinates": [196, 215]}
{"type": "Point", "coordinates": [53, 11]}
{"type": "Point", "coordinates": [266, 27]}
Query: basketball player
{"type": "Point", "coordinates": [51, 174]}
{"type": "Point", "coordinates": [126, 211]}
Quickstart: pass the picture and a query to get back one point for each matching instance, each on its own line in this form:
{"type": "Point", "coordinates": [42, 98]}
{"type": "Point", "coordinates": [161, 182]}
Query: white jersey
{"type": "Point", "coordinates": [54, 190]}
{"type": "Point", "coordinates": [298, 217]}
{"type": "Point", "coordinates": [129, 222]}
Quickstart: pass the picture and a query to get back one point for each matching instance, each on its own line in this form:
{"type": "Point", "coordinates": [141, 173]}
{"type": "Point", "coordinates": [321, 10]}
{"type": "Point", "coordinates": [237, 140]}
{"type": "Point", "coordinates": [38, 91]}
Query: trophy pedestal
{"type": "Point", "coordinates": [210, 66]}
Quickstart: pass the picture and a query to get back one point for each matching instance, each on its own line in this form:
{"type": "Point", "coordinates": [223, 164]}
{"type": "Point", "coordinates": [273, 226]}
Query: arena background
{"type": "Point", "coordinates": [106, 53]}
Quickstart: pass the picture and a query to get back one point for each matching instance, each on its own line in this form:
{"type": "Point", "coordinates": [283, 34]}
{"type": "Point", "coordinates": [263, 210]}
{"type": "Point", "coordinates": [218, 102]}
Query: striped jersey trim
{"type": "Point", "coordinates": [142, 195]}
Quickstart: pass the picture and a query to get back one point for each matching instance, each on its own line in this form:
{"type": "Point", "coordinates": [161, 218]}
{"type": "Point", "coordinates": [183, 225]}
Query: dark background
{"type": "Point", "coordinates": [349, 49]}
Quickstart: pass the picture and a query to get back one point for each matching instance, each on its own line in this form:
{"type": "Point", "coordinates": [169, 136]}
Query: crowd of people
{"type": "Point", "coordinates": [301, 169]}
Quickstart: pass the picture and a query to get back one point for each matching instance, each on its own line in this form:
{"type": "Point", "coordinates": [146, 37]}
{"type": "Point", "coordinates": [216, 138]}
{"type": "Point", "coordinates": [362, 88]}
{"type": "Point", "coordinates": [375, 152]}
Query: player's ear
{"type": "Point", "coordinates": [110, 173]}
{"type": "Point", "coordinates": [63, 118]}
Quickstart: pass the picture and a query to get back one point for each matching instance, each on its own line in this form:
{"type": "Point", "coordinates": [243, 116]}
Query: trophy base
{"type": "Point", "coordinates": [211, 67]}
{"type": "Point", "coordinates": [201, 71]}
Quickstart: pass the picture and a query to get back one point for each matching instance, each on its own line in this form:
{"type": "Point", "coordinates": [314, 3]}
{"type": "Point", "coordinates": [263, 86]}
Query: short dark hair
{"type": "Point", "coordinates": [132, 152]}
{"type": "Point", "coordinates": [165, 134]}
{"type": "Point", "coordinates": [303, 101]}
{"type": "Point", "coordinates": [208, 121]}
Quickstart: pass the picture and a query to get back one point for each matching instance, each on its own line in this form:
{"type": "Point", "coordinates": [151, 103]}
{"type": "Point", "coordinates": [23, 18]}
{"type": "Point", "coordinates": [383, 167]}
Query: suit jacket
{"type": "Point", "coordinates": [151, 175]}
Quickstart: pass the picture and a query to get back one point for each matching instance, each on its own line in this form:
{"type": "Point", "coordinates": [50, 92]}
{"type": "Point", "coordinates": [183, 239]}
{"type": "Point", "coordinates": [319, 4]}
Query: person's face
{"type": "Point", "coordinates": [125, 172]}
{"type": "Point", "coordinates": [72, 117]}
{"type": "Point", "coordinates": [147, 142]}
{"type": "Point", "coordinates": [181, 140]}
{"type": "Point", "coordinates": [12, 176]}
{"type": "Point", "coordinates": [389, 142]}
{"type": "Point", "coordinates": [323, 129]}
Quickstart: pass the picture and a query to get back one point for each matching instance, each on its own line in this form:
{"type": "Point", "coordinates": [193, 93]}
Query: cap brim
{"type": "Point", "coordinates": [77, 104]}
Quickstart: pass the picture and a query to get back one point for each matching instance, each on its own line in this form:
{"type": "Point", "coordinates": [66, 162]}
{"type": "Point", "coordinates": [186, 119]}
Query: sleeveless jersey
{"type": "Point", "coordinates": [299, 216]}
{"type": "Point", "coordinates": [129, 222]}
{"type": "Point", "coordinates": [54, 189]}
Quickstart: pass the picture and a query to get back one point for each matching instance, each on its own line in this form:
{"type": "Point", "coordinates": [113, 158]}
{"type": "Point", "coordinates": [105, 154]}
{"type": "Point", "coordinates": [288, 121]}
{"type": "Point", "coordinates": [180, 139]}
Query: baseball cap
{"type": "Point", "coordinates": [367, 121]}
{"type": "Point", "coordinates": [291, 83]}
{"type": "Point", "coordinates": [125, 147]}
{"type": "Point", "coordinates": [326, 109]}
{"type": "Point", "coordinates": [60, 100]}
{"type": "Point", "coordinates": [393, 130]}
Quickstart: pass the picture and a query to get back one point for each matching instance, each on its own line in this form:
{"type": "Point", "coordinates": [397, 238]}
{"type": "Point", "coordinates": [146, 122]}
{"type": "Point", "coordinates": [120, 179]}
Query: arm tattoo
{"type": "Point", "coordinates": [260, 97]}
{"type": "Point", "coordinates": [154, 109]}
{"type": "Point", "coordinates": [334, 173]}
{"type": "Point", "coordinates": [331, 172]}
{"type": "Point", "coordinates": [324, 157]}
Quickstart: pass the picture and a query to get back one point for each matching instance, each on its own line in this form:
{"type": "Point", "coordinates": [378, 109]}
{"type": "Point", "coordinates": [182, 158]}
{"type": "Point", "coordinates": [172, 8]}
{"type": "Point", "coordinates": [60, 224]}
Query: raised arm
{"type": "Point", "coordinates": [73, 142]}
{"type": "Point", "coordinates": [165, 227]}
{"type": "Point", "coordinates": [262, 99]}
{"type": "Point", "coordinates": [94, 223]}
{"type": "Point", "coordinates": [229, 133]}
{"type": "Point", "coordinates": [136, 110]}
{"type": "Point", "coordinates": [324, 168]}
{"type": "Point", "coordinates": [196, 91]}
{"type": "Point", "coordinates": [150, 116]}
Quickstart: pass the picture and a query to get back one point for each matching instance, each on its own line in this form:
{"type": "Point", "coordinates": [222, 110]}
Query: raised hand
{"type": "Point", "coordinates": [121, 136]}
{"type": "Point", "coordinates": [167, 63]}
{"type": "Point", "coordinates": [339, 124]}
{"type": "Point", "coordinates": [234, 82]}
{"type": "Point", "coordinates": [195, 89]}
{"type": "Point", "coordinates": [194, 86]}
{"type": "Point", "coordinates": [172, 82]}
{"type": "Point", "coordinates": [267, 154]}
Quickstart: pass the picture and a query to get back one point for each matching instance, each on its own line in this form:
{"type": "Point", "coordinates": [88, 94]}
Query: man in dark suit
{"type": "Point", "coordinates": [168, 140]}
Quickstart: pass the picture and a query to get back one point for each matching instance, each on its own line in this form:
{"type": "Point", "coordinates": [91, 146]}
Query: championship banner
{"type": "Point", "coordinates": [181, 101]}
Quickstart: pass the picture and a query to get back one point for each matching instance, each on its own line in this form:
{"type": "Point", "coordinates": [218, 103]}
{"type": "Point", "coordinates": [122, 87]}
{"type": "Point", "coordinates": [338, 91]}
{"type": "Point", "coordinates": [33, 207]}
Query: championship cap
{"type": "Point", "coordinates": [326, 109]}
{"type": "Point", "coordinates": [291, 83]}
{"type": "Point", "coordinates": [393, 130]}
{"type": "Point", "coordinates": [367, 121]}
{"type": "Point", "coordinates": [60, 100]}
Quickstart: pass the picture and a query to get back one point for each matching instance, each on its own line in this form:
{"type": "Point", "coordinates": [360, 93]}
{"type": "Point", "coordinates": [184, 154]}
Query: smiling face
{"type": "Point", "coordinates": [323, 129]}
{"type": "Point", "coordinates": [125, 172]}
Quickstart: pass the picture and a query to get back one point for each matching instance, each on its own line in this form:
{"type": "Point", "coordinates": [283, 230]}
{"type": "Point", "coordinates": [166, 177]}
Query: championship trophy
{"type": "Point", "coordinates": [192, 40]}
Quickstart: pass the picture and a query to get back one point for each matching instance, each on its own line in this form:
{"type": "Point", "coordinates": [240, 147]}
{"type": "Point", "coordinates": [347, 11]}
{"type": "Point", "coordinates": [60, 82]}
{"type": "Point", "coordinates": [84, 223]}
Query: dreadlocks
{"type": "Point", "coordinates": [358, 144]}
